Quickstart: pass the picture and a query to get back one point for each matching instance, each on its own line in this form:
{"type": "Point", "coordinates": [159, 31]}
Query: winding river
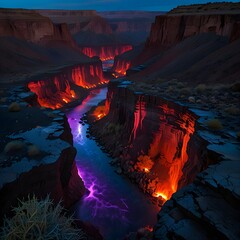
{"type": "Point", "coordinates": [114, 205]}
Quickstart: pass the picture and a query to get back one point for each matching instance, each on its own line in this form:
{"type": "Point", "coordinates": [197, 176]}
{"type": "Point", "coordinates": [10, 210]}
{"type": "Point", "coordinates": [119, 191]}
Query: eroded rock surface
{"type": "Point", "coordinates": [46, 168]}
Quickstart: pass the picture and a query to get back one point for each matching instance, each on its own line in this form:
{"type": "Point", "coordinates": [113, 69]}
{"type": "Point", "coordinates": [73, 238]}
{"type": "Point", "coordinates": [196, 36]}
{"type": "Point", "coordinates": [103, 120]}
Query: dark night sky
{"type": "Point", "coordinates": [100, 5]}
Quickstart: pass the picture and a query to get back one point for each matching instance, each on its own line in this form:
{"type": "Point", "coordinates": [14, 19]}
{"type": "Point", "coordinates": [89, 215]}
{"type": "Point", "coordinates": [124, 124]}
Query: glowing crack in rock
{"type": "Point", "coordinates": [105, 52]}
{"type": "Point", "coordinates": [120, 68]}
{"type": "Point", "coordinates": [139, 116]}
{"type": "Point", "coordinates": [101, 205]}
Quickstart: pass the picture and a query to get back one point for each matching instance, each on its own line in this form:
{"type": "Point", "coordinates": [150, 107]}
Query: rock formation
{"type": "Point", "coordinates": [105, 52]}
{"type": "Point", "coordinates": [31, 26]}
{"type": "Point", "coordinates": [169, 29]}
{"type": "Point", "coordinates": [155, 160]}
{"type": "Point", "coordinates": [50, 170]}
{"type": "Point", "coordinates": [163, 150]}
{"type": "Point", "coordinates": [79, 20]}
{"type": "Point", "coordinates": [66, 87]}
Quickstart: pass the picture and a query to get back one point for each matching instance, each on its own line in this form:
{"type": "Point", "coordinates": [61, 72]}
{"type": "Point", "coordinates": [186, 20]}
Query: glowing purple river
{"type": "Point", "coordinates": [114, 204]}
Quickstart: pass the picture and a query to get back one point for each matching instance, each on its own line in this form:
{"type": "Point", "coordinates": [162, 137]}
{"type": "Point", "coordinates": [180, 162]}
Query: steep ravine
{"type": "Point", "coordinates": [52, 170]}
{"type": "Point", "coordinates": [68, 86]}
{"type": "Point", "coordinates": [105, 52]}
{"type": "Point", "coordinates": [158, 145]}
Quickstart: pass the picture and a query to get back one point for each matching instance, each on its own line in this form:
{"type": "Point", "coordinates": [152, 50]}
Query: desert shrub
{"type": "Point", "coordinates": [233, 110]}
{"type": "Point", "coordinates": [170, 89]}
{"type": "Point", "coordinates": [14, 107]}
{"type": "Point", "coordinates": [39, 219]}
{"type": "Point", "coordinates": [214, 124]}
{"type": "Point", "coordinates": [185, 91]}
{"type": "Point", "coordinates": [13, 146]}
{"type": "Point", "coordinates": [191, 99]}
{"type": "Point", "coordinates": [200, 88]}
{"type": "Point", "coordinates": [180, 85]}
{"type": "Point", "coordinates": [33, 151]}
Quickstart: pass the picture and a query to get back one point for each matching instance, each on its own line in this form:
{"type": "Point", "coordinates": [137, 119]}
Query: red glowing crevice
{"type": "Point", "coordinates": [139, 116]}
{"type": "Point", "coordinates": [55, 92]}
{"type": "Point", "coordinates": [52, 93]}
{"type": "Point", "coordinates": [120, 67]}
{"type": "Point", "coordinates": [105, 52]}
{"type": "Point", "coordinates": [163, 161]}
{"type": "Point", "coordinates": [88, 76]}
{"type": "Point", "coordinates": [169, 153]}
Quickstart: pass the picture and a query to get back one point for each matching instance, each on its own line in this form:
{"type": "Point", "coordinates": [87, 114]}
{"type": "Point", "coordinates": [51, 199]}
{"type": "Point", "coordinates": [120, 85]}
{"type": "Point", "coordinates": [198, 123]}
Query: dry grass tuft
{"type": "Point", "coordinates": [233, 110]}
{"type": "Point", "coordinates": [40, 219]}
{"type": "Point", "coordinates": [14, 146]}
{"type": "Point", "coordinates": [185, 91]}
{"type": "Point", "coordinates": [14, 107]}
{"type": "Point", "coordinates": [200, 88]}
{"type": "Point", "coordinates": [214, 124]}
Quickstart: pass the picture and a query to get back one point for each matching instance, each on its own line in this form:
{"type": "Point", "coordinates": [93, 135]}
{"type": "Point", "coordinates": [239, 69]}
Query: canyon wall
{"type": "Point", "coordinates": [153, 138]}
{"type": "Point", "coordinates": [130, 21]}
{"type": "Point", "coordinates": [168, 30]}
{"type": "Point", "coordinates": [66, 87]}
{"type": "Point", "coordinates": [31, 26]}
{"type": "Point", "coordinates": [160, 145]}
{"type": "Point", "coordinates": [120, 66]}
{"type": "Point", "coordinates": [105, 52]}
{"type": "Point", "coordinates": [53, 172]}
{"type": "Point", "coordinates": [79, 20]}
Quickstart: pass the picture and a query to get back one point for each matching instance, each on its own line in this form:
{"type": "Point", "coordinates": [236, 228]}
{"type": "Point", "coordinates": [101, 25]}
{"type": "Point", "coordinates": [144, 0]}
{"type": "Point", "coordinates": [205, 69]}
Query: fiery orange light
{"type": "Point", "coordinates": [105, 52]}
{"type": "Point", "coordinates": [65, 100]}
{"type": "Point", "coordinates": [99, 112]}
{"type": "Point", "coordinates": [158, 194]}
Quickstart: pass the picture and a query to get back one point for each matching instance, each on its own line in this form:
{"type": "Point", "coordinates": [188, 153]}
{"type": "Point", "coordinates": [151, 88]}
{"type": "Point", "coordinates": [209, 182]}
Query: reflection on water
{"type": "Point", "coordinates": [113, 204]}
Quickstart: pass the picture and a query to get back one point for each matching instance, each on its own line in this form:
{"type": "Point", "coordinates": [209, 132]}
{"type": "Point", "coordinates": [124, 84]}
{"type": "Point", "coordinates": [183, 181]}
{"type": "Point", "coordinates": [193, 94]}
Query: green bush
{"type": "Point", "coordinates": [39, 219]}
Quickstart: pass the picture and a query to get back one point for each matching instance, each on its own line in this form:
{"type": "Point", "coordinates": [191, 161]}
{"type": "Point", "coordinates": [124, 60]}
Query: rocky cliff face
{"type": "Point", "coordinates": [120, 66]}
{"type": "Point", "coordinates": [52, 172]}
{"type": "Point", "coordinates": [168, 30]}
{"type": "Point", "coordinates": [79, 20]}
{"type": "Point", "coordinates": [129, 21]}
{"type": "Point", "coordinates": [31, 26]}
{"type": "Point", "coordinates": [68, 86]}
{"type": "Point", "coordinates": [158, 147]}
{"type": "Point", "coordinates": [105, 52]}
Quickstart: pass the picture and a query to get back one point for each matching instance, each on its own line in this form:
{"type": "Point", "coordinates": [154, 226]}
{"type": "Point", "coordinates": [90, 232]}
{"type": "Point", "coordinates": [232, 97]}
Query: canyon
{"type": "Point", "coordinates": [167, 125]}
